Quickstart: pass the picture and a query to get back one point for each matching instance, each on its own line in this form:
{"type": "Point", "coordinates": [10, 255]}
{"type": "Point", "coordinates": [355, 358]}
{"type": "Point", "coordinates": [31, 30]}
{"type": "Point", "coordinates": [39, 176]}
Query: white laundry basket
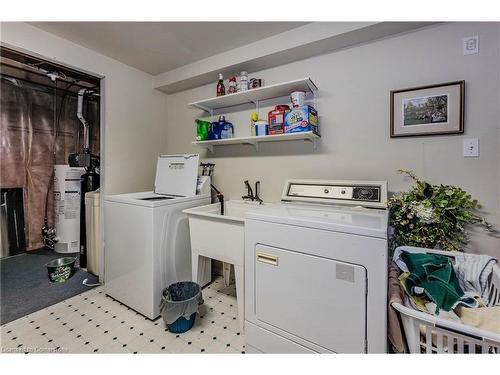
{"type": "Point", "coordinates": [426, 333]}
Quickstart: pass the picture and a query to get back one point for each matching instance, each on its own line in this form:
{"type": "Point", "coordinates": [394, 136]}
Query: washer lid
{"type": "Point", "coordinates": [353, 220]}
{"type": "Point", "coordinates": [177, 174]}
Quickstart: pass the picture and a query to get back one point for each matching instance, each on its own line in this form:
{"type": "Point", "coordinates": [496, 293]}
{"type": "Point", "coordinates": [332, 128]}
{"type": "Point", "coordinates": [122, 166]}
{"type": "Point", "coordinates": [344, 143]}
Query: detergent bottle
{"type": "Point", "coordinates": [202, 130]}
{"type": "Point", "coordinates": [226, 128]}
{"type": "Point", "coordinates": [221, 129]}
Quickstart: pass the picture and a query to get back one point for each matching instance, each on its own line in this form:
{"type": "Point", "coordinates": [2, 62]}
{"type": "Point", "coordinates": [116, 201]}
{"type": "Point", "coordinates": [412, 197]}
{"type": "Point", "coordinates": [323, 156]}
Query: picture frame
{"type": "Point", "coordinates": [428, 110]}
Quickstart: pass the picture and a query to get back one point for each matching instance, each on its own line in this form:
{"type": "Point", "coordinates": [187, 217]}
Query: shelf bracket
{"type": "Point", "coordinates": [206, 109]}
{"type": "Point", "coordinates": [210, 148]}
{"type": "Point", "coordinates": [314, 142]}
{"type": "Point", "coordinates": [254, 144]}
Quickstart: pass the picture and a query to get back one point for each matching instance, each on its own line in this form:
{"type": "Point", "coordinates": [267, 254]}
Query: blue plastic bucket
{"type": "Point", "coordinates": [179, 300]}
{"type": "Point", "coordinates": [182, 324]}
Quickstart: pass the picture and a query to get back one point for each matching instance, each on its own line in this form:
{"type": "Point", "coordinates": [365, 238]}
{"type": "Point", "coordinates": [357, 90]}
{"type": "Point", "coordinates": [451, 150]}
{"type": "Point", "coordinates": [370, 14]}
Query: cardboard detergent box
{"type": "Point", "coordinates": [302, 119]}
{"type": "Point", "coordinates": [276, 119]}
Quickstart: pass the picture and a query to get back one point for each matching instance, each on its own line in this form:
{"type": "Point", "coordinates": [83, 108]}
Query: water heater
{"type": "Point", "coordinates": [67, 206]}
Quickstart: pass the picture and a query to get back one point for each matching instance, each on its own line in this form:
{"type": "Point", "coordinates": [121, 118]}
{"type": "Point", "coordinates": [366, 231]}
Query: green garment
{"type": "Point", "coordinates": [434, 274]}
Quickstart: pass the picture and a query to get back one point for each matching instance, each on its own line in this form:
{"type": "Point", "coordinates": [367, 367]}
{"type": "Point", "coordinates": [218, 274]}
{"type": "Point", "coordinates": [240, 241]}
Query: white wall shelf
{"type": "Point", "coordinates": [256, 95]}
{"type": "Point", "coordinates": [255, 140]}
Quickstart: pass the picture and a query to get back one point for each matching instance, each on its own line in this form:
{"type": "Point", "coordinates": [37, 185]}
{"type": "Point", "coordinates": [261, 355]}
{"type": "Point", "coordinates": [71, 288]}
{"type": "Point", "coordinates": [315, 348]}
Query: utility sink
{"type": "Point", "coordinates": [234, 210]}
{"type": "Point", "coordinates": [221, 237]}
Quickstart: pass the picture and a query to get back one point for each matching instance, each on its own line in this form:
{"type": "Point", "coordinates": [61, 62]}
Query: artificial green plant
{"type": "Point", "coordinates": [433, 216]}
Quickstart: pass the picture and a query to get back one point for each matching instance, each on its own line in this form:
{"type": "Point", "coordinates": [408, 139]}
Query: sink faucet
{"type": "Point", "coordinates": [220, 197]}
{"type": "Point", "coordinates": [257, 188]}
{"type": "Point", "coordinates": [249, 192]}
{"type": "Point", "coordinates": [250, 195]}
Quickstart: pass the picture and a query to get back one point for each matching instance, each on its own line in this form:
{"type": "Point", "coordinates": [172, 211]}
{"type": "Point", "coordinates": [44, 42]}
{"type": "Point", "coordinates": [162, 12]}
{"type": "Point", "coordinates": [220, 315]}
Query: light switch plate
{"type": "Point", "coordinates": [470, 45]}
{"type": "Point", "coordinates": [471, 147]}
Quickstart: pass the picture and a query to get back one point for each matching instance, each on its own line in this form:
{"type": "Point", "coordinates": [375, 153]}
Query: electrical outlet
{"type": "Point", "coordinates": [470, 45]}
{"type": "Point", "coordinates": [471, 148]}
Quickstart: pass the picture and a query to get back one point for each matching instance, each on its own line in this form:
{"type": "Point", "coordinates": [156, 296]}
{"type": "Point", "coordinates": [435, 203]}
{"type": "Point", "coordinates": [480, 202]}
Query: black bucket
{"type": "Point", "coordinates": [61, 269]}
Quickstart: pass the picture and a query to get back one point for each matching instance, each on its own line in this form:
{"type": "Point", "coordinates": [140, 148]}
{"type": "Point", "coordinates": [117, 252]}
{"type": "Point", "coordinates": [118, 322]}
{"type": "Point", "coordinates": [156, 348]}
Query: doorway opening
{"type": "Point", "coordinates": [49, 159]}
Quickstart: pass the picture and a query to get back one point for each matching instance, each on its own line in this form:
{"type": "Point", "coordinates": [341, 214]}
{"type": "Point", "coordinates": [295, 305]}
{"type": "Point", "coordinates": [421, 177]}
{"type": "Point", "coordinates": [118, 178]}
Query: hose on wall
{"type": "Point", "coordinates": [49, 233]}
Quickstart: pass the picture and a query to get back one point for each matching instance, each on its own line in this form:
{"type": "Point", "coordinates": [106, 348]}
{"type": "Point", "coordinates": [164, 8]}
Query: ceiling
{"type": "Point", "coordinates": [157, 47]}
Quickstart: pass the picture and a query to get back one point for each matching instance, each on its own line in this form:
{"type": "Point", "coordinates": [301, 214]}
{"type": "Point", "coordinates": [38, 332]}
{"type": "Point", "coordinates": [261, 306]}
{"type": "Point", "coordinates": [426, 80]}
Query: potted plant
{"type": "Point", "coordinates": [432, 216]}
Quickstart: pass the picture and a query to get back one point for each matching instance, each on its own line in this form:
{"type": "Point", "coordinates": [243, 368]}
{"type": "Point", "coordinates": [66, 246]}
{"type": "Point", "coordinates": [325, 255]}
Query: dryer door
{"type": "Point", "coordinates": [317, 299]}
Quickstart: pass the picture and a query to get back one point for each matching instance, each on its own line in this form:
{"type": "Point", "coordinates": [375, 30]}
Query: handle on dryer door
{"type": "Point", "coordinates": [266, 258]}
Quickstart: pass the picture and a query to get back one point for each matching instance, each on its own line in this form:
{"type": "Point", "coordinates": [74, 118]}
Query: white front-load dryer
{"type": "Point", "coordinates": [316, 270]}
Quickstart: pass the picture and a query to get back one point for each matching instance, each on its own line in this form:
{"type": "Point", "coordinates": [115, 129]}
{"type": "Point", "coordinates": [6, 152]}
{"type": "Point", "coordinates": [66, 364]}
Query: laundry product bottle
{"type": "Point", "coordinates": [254, 117]}
{"type": "Point", "coordinates": [222, 129]}
{"type": "Point", "coordinates": [227, 129]}
{"type": "Point", "coordinates": [221, 89]}
{"type": "Point", "coordinates": [232, 85]}
{"type": "Point", "coordinates": [243, 84]}
{"type": "Point", "coordinates": [202, 130]}
{"type": "Point", "coordinates": [214, 132]}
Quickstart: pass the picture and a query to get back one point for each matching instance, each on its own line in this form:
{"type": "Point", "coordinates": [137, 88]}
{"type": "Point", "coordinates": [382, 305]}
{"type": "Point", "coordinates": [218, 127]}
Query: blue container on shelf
{"type": "Point", "coordinates": [179, 305]}
{"type": "Point", "coordinates": [221, 129]}
{"type": "Point", "coordinates": [261, 127]}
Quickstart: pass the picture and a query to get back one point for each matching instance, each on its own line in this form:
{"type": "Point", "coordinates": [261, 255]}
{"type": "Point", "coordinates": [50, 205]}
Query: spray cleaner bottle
{"type": "Point", "coordinates": [254, 117]}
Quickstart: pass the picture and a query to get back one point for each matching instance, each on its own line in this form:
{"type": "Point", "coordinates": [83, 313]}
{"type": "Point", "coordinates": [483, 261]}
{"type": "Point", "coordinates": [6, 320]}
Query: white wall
{"type": "Point", "coordinates": [135, 114]}
{"type": "Point", "coordinates": [353, 105]}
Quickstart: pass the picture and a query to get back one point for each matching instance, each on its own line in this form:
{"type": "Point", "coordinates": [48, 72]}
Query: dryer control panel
{"type": "Point", "coordinates": [353, 193]}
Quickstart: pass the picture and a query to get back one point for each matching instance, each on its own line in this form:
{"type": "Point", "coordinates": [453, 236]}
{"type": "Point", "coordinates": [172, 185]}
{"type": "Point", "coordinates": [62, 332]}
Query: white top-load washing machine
{"type": "Point", "coordinates": [146, 235]}
{"type": "Point", "coordinates": [316, 269]}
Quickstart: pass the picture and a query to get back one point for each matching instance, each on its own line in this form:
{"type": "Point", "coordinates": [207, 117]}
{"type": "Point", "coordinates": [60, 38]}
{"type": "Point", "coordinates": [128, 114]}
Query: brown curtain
{"type": "Point", "coordinates": [34, 137]}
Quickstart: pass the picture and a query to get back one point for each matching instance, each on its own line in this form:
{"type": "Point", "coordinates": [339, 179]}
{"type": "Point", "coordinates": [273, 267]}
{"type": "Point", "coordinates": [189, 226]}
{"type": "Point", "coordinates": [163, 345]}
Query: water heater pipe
{"type": "Point", "coordinates": [79, 114]}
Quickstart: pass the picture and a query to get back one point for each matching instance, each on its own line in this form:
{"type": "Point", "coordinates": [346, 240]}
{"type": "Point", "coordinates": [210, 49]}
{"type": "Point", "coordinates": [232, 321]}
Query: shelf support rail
{"type": "Point", "coordinates": [256, 104]}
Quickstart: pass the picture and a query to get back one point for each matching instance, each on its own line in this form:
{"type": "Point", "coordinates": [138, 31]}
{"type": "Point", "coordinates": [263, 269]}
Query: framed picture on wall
{"type": "Point", "coordinates": [428, 110]}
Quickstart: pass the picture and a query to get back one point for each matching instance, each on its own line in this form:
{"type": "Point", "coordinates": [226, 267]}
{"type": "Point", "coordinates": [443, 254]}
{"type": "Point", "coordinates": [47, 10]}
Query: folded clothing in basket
{"type": "Point", "coordinates": [487, 318]}
{"type": "Point", "coordinates": [473, 272]}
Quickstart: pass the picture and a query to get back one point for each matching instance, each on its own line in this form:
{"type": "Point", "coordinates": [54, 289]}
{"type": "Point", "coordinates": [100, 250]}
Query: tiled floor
{"type": "Point", "coordinates": [91, 322]}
